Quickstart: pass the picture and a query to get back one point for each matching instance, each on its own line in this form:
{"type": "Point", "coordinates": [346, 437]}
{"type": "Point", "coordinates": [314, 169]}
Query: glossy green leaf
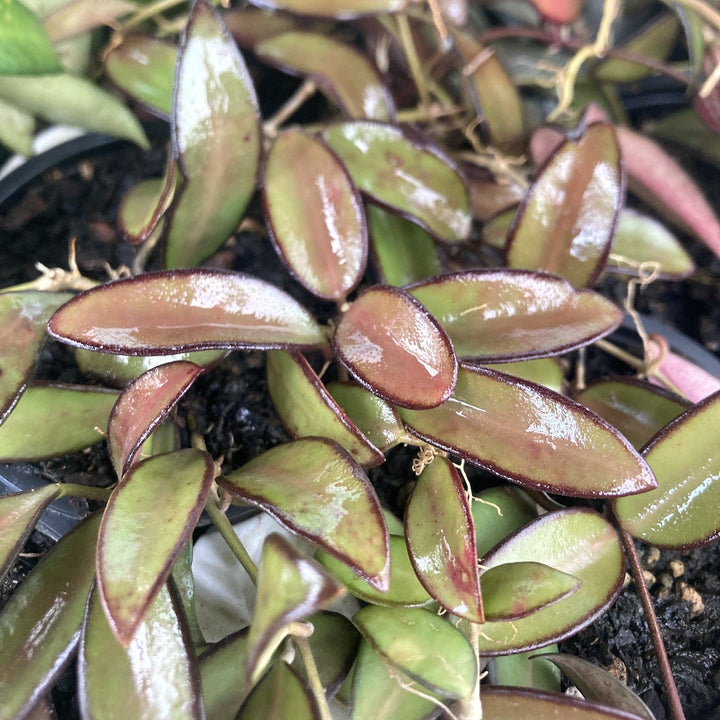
{"type": "Point", "coordinates": [532, 436]}
{"type": "Point", "coordinates": [341, 71]}
{"type": "Point", "coordinates": [403, 251]}
{"type": "Point", "coordinates": [81, 16]}
{"type": "Point", "coordinates": [500, 315]}
{"type": "Point", "coordinates": [18, 514]}
{"type": "Point", "coordinates": [498, 512]}
{"type": "Point", "coordinates": [393, 346]}
{"type": "Point", "coordinates": [641, 241]}
{"type": "Point", "coordinates": [76, 420]}
{"type": "Point", "coordinates": [686, 462]}
{"type": "Point", "coordinates": [217, 138]}
{"type": "Point", "coordinates": [543, 371]}
{"type": "Point", "coordinates": [222, 676]}
{"type": "Point", "coordinates": [577, 542]}
{"type": "Point", "coordinates": [315, 215]}
{"type": "Point", "coordinates": [40, 624]}
{"type": "Point", "coordinates": [147, 522]}
{"type": "Point", "coordinates": [155, 676]}
{"type": "Point", "coordinates": [184, 583]}
{"type": "Point", "coordinates": [191, 310]}
{"type": "Point", "coordinates": [375, 417]}
{"type": "Point", "coordinates": [24, 45]}
{"type": "Point", "coordinates": [423, 645]}
{"type": "Point", "coordinates": [514, 590]}
{"type": "Point", "coordinates": [251, 25]}
{"type": "Point", "coordinates": [71, 100]}
{"type": "Point", "coordinates": [496, 230]}
{"type": "Point", "coordinates": [598, 685]}
{"type": "Point", "coordinates": [441, 540]}
{"type": "Point", "coordinates": [142, 406]}
{"type": "Point", "coordinates": [23, 316]}
{"type": "Point", "coordinates": [340, 9]}
{"type": "Point", "coordinates": [307, 408]}
{"type": "Point", "coordinates": [405, 173]}
{"type": "Point", "coordinates": [313, 487]}
{"type": "Point", "coordinates": [17, 129]}
{"type": "Point", "coordinates": [519, 670]}
{"type": "Point", "coordinates": [637, 409]}
{"type": "Point", "coordinates": [572, 237]}
{"type": "Point", "coordinates": [290, 588]}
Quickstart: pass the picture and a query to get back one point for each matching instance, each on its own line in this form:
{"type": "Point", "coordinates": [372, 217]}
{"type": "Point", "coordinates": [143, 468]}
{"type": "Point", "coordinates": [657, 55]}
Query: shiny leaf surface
{"type": "Point", "coordinates": [405, 173]}
{"type": "Point", "coordinates": [339, 10]}
{"type": "Point", "coordinates": [306, 408]}
{"type": "Point", "coordinates": [392, 345]}
{"type": "Point", "coordinates": [519, 670]}
{"type": "Point", "coordinates": [313, 487]}
{"type": "Point", "coordinates": [142, 406]}
{"type": "Point", "coordinates": [155, 676]}
{"type": "Point", "coordinates": [501, 315]}
{"type": "Point", "coordinates": [543, 371]}
{"type": "Point", "coordinates": [40, 624]}
{"type": "Point", "coordinates": [441, 540]}
{"type": "Point", "coordinates": [315, 215]}
{"type": "Point", "coordinates": [423, 645]}
{"type": "Point", "coordinates": [217, 140]}
{"type": "Point", "coordinates": [532, 436]}
{"type": "Point", "coordinates": [222, 676]}
{"type": "Point", "coordinates": [24, 45]}
{"type": "Point", "coordinates": [498, 512]}
{"type": "Point", "coordinates": [686, 462]}
{"type": "Point", "coordinates": [192, 310]}
{"type": "Point", "coordinates": [577, 542]}
{"type": "Point", "coordinates": [566, 222]}
{"type": "Point", "coordinates": [147, 521]}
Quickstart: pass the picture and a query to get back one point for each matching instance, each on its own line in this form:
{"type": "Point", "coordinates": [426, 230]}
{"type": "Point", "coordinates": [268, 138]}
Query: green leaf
{"type": "Point", "coordinates": [17, 129]}
{"type": "Point", "coordinates": [306, 408]}
{"type": "Point", "coordinates": [543, 371]}
{"type": "Point", "coordinates": [519, 670]}
{"type": "Point", "coordinates": [441, 540]}
{"type": "Point", "coordinates": [40, 625]}
{"type": "Point", "coordinates": [191, 310]}
{"type": "Point", "coordinates": [155, 676]}
{"type": "Point", "coordinates": [147, 521]}
{"type": "Point", "coordinates": [501, 315]}
{"type": "Point", "coordinates": [405, 173]}
{"type": "Point", "coordinates": [393, 346]}
{"type": "Point", "coordinates": [251, 25]}
{"type": "Point", "coordinates": [217, 138]}
{"type": "Point", "coordinates": [75, 422]}
{"type": "Point", "coordinates": [532, 436]}
{"type": "Point", "coordinates": [81, 16]}
{"type": "Point", "coordinates": [686, 130]}
{"type": "Point", "coordinates": [423, 645]}
{"type": "Point", "coordinates": [340, 9]}
{"type": "Point", "coordinates": [686, 462]}
{"type": "Point", "coordinates": [222, 676]}
{"type": "Point", "coordinates": [498, 512]}
{"type": "Point", "coordinates": [315, 215]}
{"type": "Point", "coordinates": [577, 542]}
{"type": "Point", "coordinates": [24, 45]}
{"type": "Point", "coordinates": [184, 583]}
{"type": "Point", "coordinates": [314, 488]}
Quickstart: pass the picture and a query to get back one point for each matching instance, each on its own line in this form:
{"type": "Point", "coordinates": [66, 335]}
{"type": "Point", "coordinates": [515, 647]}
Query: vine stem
{"type": "Point", "coordinates": [86, 491]}
{"type": "Point", "coordinates": [470, 708]}
{"type": "Point", "coordinates": [219, 519]}
{"type": "Point", "coordinates": [296, 100]}
{"type": "Point", "coordinates": [416, 68]}
{"type": "Point", "coordinates": [303, 647]}
{"type": "Point", "coordinates": [676, 710]}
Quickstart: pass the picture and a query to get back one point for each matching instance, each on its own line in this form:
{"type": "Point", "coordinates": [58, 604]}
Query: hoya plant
{"type": "Point", "coordinates": [439, 286]}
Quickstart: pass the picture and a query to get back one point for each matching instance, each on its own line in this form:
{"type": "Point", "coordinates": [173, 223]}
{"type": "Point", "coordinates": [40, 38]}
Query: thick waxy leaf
{"type": "Point", "coordinates": [403, 251]}
{"type": "Point", "coordinates": [559, 11]}
{"type": "Point", "coordinates": [71, 100]}
{"type": "Point", "coordinates": [532, 436]}
{"type": "Point", "coordinates": [181, 578]}
{"type": "Point", "coordinates": [144, 67]}
{"type": "Point", "coordinates": [543, 371]}
{"type": "Point", "coordinates": [313, 487]}
{"type": "Point", "coordinates": [307, 408]}
{"type": "Point", "coordinates": [80, 16]}
{"type": "Point", "coordinates": [340, 9]}
{"type": "Point", "coordinates": [191, 310]}
{"type": "Point", "coordinates": [405, 173]}
{"type": "Point", "coordinates": [566, 222]}
{"type": "Point", "coordinates": [279, 695]}
{"type": "Point", "coordinates": [393, 346]}
{"type": "Point", "coordinates": [40, 625]}
{"type": "Point", "coordinates": [514, 590]}
{"type": "Point", "coordinates": [315, 215]}
{"type": "Point", "coordinates": [148, 520]}
{"type": "Point", "coordinates": [520, 670]}
{"type": "Point", "coordinates": [501, 703]}
{"type": "Point", "coordinates": [24, 45]}
{"type": "Point", "coordinates": [423, 645]}
{"type": "Point", "coordinates": [23, 316]}
{"type": "Point", "coordinates": [342, 72]}
{"type": "Point", "coordinates": [251, 25]}
{"type": "Point", "coordinates": [577, 542]}
{"type": "Point", "coordinates": [217, 139]}
{"type": "Point", "coordinates": [598, 685]}
{"type": "Point", "coordinates": [686, 462]}
{"type": "Point", "coordinates": [488, 197]}
{"type": "Point", "coordinates": [17, 129]}
{"type": "Point", "coordinates": [500, 315]}
{"type": "Point", "coordinates": [18, 514]}
{"type": "Point", "coordinates": [55, 420]}
{"type": "Point", "coordinates": [637, 409]}
{"type": "Point", "coordinates": [290, 588]}
{"type": "Point", "coordinates": [222, 676]}
{"type": "Point", "coordinates": [441, 540]}
{"type": "Point", "coordinates": [498, 512]}
{"type": "Point", "coordinates": [142, 406]}
{"type": "Point", "coordinates": [155, 676]}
